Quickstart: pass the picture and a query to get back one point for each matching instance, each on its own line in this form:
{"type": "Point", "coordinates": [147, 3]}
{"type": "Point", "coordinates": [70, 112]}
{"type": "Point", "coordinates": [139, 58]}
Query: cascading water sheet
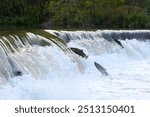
{"type": "Point", "coordinates": [30, 69]}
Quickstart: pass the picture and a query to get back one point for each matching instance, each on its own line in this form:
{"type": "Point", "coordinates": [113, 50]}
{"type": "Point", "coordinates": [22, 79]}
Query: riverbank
{"type": "Point", "coordinates": [103, 14]}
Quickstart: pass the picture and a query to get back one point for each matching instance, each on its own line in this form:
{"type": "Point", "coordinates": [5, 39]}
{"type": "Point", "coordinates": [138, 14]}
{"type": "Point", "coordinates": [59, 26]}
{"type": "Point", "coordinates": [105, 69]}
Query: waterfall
{"type": "Point", "coordinates": [55, 64]}
{"type": "Point", "coordinates": [32, 54]}
{"type": "Point", "coordinates": [107, 41]}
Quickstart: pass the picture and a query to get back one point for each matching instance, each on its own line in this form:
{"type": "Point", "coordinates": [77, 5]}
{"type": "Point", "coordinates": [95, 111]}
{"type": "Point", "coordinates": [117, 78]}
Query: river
{"type": "Point", "coordinates": [41, 64]}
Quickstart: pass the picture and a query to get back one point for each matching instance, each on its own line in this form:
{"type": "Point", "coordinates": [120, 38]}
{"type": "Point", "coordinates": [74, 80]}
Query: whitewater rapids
{"type": "Point", "coordinates": [50, 73]}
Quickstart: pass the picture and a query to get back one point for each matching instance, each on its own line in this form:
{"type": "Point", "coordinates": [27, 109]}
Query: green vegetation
{"type": "Point", "coordinates": [108, 14]}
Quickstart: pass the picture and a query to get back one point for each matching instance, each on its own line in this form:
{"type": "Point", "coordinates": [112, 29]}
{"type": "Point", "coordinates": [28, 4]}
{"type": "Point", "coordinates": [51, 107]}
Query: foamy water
{"type": "Point", "coordinates": [52, 74]}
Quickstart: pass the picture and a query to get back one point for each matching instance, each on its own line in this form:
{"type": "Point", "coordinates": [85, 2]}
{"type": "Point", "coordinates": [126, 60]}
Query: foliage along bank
{"type": "Point", "coordinates": [108, 14]}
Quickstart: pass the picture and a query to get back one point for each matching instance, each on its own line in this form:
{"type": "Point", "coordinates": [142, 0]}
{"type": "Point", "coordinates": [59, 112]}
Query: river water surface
{"type": "Point", "coordinates": [50, 70]}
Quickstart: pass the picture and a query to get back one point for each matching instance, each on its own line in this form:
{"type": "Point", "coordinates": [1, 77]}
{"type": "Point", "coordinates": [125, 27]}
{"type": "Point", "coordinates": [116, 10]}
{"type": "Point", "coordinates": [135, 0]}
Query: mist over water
{"type": "Point", "coordinates": [53, 71]}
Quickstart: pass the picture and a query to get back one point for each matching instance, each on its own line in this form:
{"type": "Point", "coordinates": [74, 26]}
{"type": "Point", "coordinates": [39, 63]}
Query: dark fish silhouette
{"type": "Point", "coordinates": [17, 73]}
{"type": "Point", "coordinates": [101, 68]}
{"type": "Point", "coordinates": [118, 42]}
{"type": "Point", "coordinates": [14, 67]}
{"type": "Point", "coordinates": [79, 52]}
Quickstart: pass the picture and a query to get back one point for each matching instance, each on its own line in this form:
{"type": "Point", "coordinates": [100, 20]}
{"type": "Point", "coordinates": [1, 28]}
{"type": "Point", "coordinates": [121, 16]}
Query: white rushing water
{"type": "Point", "coordinates": [50, 73]}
